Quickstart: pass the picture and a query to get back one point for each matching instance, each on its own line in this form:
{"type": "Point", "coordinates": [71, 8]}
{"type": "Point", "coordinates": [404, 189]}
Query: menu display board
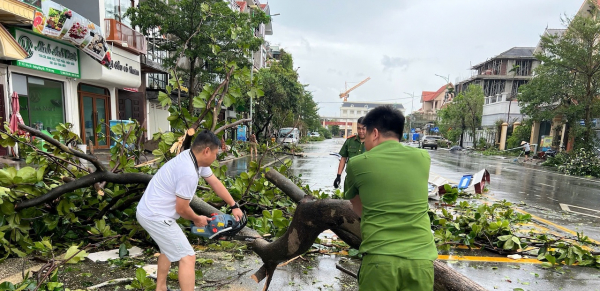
{"type": "Point", "coordinates": [59, 22]}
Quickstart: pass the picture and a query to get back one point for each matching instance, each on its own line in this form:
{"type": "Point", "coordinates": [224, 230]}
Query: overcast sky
{"type": "Point", "coordinates": [402, 44]}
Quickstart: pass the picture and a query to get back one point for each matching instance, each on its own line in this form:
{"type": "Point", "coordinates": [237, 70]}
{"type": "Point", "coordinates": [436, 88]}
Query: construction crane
{"type": "Point", "coordinates": [345, 95]}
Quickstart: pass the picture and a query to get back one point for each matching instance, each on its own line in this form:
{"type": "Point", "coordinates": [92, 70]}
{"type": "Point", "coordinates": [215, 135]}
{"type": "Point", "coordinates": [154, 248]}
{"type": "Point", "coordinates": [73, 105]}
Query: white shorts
{"type": "Point", "coordinates": [169, 237]}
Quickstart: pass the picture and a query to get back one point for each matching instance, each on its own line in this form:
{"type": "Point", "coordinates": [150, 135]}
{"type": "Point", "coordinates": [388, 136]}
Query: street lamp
{"type": "Point", "coordinates": [412, 108]}
{"type": "Point", "coordinates": [447, 79]}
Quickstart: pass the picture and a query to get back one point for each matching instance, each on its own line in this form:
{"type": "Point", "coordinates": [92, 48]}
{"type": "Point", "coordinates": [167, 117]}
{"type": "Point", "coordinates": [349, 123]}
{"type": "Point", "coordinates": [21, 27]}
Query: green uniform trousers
{"type": "Point", "coordinates": [389, 273]}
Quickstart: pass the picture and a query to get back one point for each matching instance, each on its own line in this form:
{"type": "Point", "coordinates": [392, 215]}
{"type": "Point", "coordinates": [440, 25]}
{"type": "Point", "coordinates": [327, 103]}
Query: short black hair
{"type": "Point", "coordinates": [205, 139]}
{"type": "Point", "coordinates": [360, 120]}
{"type": "Point", "coordinates": [388, 120]}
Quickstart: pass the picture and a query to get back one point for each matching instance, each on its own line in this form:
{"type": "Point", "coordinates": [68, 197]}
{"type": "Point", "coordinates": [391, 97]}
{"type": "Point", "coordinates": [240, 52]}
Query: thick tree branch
{"type": "Point", "coordinates": [187, 141]}
{"type": "Point", "coordinates": [92, 159]}
{"type": "Point", "coordinates": [83, 182]}
{"type": "Point", "coordinates": [234, 124]}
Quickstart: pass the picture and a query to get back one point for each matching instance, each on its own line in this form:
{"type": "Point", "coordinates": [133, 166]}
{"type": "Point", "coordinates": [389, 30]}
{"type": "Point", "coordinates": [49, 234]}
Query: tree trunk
{"type": "Point", "coordinates": [264, 127]}
{"type": "Point", "coordinates": [191, 91]}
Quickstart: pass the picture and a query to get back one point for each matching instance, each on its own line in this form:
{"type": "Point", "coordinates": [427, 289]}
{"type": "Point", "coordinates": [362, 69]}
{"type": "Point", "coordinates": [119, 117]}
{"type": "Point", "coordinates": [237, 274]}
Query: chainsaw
{"type": "Point", "coordinates": [222, 227]}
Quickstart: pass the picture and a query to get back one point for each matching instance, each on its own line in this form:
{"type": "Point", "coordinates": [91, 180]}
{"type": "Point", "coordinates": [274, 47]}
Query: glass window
{"type": "Point", "coordinates": [128, 109]}
{"type": "Point", "coordinates": [115, 9]}
{"type": "Point", "coordinates": [93, 89]}
{"type": "Point", "coordinates": [19, 84]}
{"type": "Point", "coordinates": [42, 106]}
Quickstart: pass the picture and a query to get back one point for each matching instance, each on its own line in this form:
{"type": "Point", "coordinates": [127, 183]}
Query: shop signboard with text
{"type": "Point", "coordinates": [47, 55]}
{"type": "Point", "coordinates": [59, 22]}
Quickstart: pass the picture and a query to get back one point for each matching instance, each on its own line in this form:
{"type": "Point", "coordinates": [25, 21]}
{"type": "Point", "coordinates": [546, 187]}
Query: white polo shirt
{"type": "Point", "coordinates": [177, 178]}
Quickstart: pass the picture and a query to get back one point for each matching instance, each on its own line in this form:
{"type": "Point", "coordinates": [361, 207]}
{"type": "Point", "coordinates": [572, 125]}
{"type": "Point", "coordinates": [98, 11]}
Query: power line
{"type": "Point", "coordinates": [366, 101]}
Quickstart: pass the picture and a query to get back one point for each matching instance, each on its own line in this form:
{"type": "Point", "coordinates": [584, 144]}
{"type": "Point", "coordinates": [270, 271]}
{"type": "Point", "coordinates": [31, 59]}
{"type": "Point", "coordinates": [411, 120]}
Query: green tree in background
{"type": "Point", "coordinates": [568, 80]}
{"type": "Point", "coordinates": [206, 32]}
{"type": "Point", "coordinates": [463, 114]}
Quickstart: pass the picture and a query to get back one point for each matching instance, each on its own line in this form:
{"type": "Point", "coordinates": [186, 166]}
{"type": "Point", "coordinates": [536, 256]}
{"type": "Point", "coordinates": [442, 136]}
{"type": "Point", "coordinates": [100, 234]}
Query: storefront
{"type": "Point", "coordinates": [105, 94]}
{"type": "Point", "coordinates": [42, 79]}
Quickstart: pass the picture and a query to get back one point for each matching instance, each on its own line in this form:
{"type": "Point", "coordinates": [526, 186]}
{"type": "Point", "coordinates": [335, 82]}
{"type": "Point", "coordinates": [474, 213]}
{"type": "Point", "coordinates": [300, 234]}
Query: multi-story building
{"type": "Point", "coordinates": [432, 102]}
{"type": "Point", "coordinates": [500, 77]}
{"type": "Point", "coordinates": [351, 111]}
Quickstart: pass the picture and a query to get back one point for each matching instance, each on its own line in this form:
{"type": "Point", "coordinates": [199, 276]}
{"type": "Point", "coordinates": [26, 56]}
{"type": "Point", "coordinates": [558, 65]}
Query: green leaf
{"type": "Point", "coordinates": [123, 252]}
{"type": "Point", "coordinates": [505, 237]}
{"type": "Point", "coordinates": [508, 245]}
{"type": "Point", "coordinates": [28, 174]}
{"type": "Point", "coordinates": [199, 103]}
{"type": "Point", "coordinates": [140, 274]}
{"type": "Point", "coordinates": [7, 175]}
{"type": "Point", "coordinates": [40, 173]}
{"type": "Point", "coordinates": [227, 101]}
{"type": "Point", "coordinates": [72, 251]}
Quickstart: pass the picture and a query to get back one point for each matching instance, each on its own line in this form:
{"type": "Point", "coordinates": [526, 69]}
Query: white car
{"type": "Point", "coordinates": [314, 134]}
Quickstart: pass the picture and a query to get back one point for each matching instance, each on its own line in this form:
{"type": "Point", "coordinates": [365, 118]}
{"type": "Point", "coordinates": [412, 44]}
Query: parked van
{"type": "Point", "coordinates": [288, 135]}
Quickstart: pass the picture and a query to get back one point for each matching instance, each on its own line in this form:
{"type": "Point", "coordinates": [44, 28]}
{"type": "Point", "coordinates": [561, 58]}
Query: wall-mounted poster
{"type": "Point", "coordinates": [59, 22]}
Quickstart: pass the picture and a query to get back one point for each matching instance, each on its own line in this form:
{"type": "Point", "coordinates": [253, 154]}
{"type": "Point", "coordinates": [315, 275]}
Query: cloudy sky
{"type": "Point", "coordinates": [402, 44]}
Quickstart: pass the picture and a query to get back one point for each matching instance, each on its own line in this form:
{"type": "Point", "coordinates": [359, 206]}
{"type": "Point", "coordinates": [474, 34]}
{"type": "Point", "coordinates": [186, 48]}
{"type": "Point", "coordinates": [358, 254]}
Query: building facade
{"type": "Point", "coordinates": [500, 77]}
{"type": "Point", "coordinates": [351, 111]}
{"type": "Point", "coordinates": [85, 76]}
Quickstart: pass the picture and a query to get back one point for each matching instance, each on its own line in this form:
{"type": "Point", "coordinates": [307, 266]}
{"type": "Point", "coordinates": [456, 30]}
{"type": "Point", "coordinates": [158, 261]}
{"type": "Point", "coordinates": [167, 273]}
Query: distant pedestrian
{"type": "Point", "coordinates": [527, 148]}
{"type": "Point", "coordinates": [253, 145]}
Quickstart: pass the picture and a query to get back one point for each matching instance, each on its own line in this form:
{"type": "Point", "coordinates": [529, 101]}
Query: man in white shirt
{"type": "Point", "coordinates": [168, 197]}
{"type": "Point", "coordinates": [527, 148]}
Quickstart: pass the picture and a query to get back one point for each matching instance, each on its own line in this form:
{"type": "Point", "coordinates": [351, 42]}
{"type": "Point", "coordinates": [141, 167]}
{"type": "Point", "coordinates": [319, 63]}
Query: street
{"type": "Point", "coordinates": [542, 192]}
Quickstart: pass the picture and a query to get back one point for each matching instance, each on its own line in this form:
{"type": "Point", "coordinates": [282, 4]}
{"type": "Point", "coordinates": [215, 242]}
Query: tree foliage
{"type": "Point", "coordinates": [463, 113]}
{"type": "Point", "coordinates": [207, 33]}
{"type": "Point", "coordinates": [286, 103]}
{"type": "Point", "coordinates": [568, 80]}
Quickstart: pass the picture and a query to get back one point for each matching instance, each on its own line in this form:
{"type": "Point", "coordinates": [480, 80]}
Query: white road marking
{"type": "Point", "coordinates": [567, 208]}
{"type": "Point", "coordinates": [547, 185]}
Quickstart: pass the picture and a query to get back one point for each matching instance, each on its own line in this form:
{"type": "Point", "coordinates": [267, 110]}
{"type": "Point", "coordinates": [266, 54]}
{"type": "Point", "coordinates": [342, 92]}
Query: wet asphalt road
{"type": "Point", "coordinates": [541, 190]}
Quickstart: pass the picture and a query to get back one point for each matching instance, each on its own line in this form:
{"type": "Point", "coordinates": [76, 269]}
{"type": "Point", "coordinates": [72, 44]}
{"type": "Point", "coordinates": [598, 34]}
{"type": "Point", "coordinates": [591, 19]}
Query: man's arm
{"type": "Point", "coordinates": [182, 207]}
{"type": "Point", "coordinates": [341, 165]}
{"type": "Point", "coordinates": [222, 192]}
{"type": "Point", "coordinates": [357, 205]}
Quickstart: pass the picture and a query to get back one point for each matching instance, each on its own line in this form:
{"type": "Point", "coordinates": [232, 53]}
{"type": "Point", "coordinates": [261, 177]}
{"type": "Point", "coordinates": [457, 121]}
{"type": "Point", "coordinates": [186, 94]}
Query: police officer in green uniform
{"type": "Point", "coordinates": [387, 187]}
{"type": "Point", "coordinates": [353, 146]}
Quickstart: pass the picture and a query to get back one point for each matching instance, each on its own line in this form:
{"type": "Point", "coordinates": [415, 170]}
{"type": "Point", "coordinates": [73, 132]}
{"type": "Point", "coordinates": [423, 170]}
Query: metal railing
{"type": "Point", "coordinates": [124, 36]}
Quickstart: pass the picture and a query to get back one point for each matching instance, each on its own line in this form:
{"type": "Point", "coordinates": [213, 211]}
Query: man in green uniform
{"type": "Point", "coordinates": [353, 146]}
{"type": "Point", "coordinates": [387, 186]}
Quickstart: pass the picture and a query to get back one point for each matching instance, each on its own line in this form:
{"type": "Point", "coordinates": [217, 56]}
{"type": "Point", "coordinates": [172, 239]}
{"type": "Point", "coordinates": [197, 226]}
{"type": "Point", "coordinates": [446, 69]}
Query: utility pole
{"type": "Point", "coordinates": [412, 109]}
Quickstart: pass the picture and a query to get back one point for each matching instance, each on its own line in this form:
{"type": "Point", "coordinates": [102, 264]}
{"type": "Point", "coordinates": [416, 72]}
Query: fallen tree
{"type": "Point", "coordinates": [312, 217]}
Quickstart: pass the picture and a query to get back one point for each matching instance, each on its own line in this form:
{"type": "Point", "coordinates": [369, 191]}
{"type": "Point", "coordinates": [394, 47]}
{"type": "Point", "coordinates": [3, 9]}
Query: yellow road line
{"type": "Point", "coordinates": [487, 259]}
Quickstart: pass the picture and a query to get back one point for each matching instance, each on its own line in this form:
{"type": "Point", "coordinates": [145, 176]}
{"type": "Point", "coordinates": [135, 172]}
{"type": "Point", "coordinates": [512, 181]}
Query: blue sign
{"type": "Point", "coordinates": [412, 130]}
{"type": "Point", "coordinates": [582, 122]}
{"type": "Point", "coordinates": [436, 129]}
{"type": "Point", "coordinates": [241, 132]}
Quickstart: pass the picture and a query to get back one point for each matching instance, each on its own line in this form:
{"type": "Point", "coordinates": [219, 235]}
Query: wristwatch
{"type": "Point", "coordinates": [234, 206]}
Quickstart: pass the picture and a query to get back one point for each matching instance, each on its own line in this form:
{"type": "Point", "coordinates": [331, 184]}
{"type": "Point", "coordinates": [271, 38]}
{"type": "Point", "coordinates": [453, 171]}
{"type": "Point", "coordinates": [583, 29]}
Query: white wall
{"type": "Point", "coordinates": [499, 111]}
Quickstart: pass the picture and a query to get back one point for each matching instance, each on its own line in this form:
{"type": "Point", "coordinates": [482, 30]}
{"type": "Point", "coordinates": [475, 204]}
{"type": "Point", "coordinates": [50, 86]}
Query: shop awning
{"type": "Point", "coordinates": [9, 47]}
{"type": "Point", "coordinates": [16, 12]}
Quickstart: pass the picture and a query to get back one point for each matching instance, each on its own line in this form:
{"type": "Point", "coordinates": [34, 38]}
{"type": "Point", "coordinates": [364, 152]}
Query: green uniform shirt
{"type": "Point", "coordinates": [392, 182]}
{"type": "Point", "coordinates": [352, 147]}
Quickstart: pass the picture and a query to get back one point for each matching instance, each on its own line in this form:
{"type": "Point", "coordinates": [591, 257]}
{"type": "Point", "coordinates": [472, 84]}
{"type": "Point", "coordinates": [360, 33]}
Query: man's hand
{"type": "Point", "coordinates": [237, 213]}
{"type": "Point", "coordinates": [201, 221]}
{"type": "Point", "coordinates": [336, 182]}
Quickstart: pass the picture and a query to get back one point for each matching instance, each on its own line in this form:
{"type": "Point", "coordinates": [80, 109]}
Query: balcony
{"type": "Point", "coordinates": [125, 37]}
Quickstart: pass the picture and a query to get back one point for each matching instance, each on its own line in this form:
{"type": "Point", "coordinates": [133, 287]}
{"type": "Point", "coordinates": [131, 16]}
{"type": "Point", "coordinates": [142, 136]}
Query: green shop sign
{"type": "Point", "coordinates": [47, 55]}
{"type": "Point", "coordinates": [34, 3]}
